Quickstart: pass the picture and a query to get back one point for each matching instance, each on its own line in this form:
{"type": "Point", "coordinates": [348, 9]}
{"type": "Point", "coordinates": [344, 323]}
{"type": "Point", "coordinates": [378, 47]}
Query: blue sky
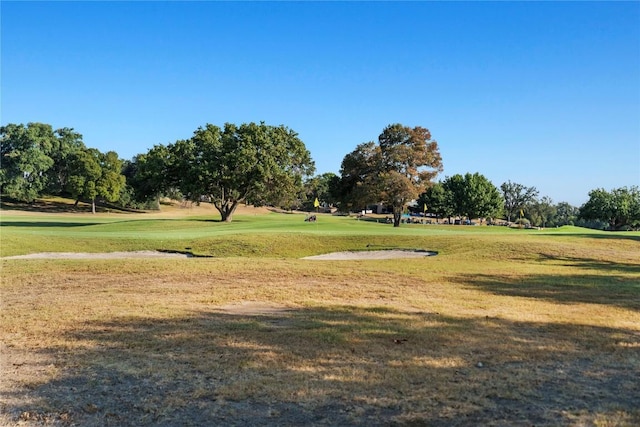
{"type": "Point", "coordinates": [546, 94]}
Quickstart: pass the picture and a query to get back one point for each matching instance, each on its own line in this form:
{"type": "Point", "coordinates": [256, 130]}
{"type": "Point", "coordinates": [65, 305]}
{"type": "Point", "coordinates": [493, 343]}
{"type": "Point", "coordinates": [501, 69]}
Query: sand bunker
{"type": "Point", "coordinates": [101, 255]}
{"type": "Point", "coordinates": [364, 255]}
{"type": "Point", "coordinates": [334, 256]}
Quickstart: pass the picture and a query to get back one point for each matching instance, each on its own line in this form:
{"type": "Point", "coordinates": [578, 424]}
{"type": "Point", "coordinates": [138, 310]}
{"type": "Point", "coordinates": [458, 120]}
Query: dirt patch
{"type": "Point", "coordinates": [364, 255]}
{"type": "Point", "coordinates": [100, 255]}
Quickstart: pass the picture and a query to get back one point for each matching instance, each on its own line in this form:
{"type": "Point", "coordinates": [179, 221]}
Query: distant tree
{"type": "Point", "coordinates": [566, 214]}
{"type": "Point", "coordinates": [542, 211]}
{"type": "Point", "coordinates": [620, 208]}
{"type": "Point", "coordinates": [111, 180]}
{"type": "Point", "coordinates": [24, 159]}
{"type": "Point", "coordinates": [484, 200]}
{"type": "Point", "coordinates": [321, 187]}
{"type": "Point", "coordinates": [394, 172]}
{"type": "Point", "coordinates": [455, 195]}
{"type": "Point", "coordinates": [84, 172]}
{"type": "Point", "coordinates": [472, 195]}
{"type": "Point", "coordinates": [252, 163]}
{"type": "Point", "coordinates": [357, 185]}
{"type": "Point", "coordinates": [435, 199]}
{"type": "Point", "coordinates": [516, 198]}
{"type": "Point", "coordinates": [150, 174]}
{"type": "Point", "coordinates": [94, 174]}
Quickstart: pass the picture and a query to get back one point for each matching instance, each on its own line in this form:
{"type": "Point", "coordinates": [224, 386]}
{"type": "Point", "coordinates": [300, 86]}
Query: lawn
{"type": "Point", "coordinates": [503, 327]}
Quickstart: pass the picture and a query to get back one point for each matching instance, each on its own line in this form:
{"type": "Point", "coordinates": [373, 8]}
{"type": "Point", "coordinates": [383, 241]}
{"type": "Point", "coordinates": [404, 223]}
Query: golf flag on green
{"type": "Point", "coordinates": [316, 203]}
{"type": "Point", "coordinates": [424, 209]}
{"type": "Point", "coordinates": [521, 213]}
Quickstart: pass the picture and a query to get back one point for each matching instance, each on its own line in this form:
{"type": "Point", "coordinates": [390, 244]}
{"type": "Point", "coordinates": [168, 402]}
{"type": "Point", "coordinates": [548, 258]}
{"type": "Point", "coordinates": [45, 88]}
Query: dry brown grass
{"type": "Point", "coordinates": [547, 335]}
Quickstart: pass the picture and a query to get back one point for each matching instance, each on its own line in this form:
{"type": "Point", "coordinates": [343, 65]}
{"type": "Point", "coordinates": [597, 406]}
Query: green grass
{"type": "Point", "coordinates": [276, 235]}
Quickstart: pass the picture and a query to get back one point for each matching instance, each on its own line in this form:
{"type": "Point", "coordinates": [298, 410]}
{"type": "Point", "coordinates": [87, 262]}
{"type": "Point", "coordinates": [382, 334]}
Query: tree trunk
{"type": "Point", "coordinates": [93, 206]}
{"type": "Point", "coordinates": [397, 216]}
{"type": "Point", "coordinates": [226, 210]}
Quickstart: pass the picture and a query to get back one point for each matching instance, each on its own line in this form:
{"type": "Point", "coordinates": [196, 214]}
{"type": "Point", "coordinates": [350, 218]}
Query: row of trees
{"type": "Point", "coordinates": [475, 197]}
{"type": "Point", "coordinates": [269, 165]}
{"type": "Point", "coordinates": [37, 160]}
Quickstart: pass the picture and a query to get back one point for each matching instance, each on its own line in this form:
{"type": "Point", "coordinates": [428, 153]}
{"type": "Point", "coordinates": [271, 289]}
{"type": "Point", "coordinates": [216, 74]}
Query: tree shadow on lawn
{"type": "Point", "coordinates": [48, 206]}
{"type": "Point", "coordinates": [619, 285]}
{"type": "Point", "coordinates": [610, 267]}
{"type": "Point", "coordinates": [333, 366]}
{"type": "Point", "coordinates": [46, 224]}
{"type": "Point", "coordinates": [607, 235]}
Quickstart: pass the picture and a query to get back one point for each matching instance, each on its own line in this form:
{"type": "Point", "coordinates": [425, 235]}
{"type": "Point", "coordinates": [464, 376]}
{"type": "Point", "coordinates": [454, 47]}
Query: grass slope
{"type": "Point", "coordinates": [272, 234]}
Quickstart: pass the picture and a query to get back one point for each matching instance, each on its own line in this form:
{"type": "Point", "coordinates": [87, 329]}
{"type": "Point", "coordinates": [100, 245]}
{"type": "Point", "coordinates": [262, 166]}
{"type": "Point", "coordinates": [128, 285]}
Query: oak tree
{"type": "Point", "coordinates": [394, 171]}
{"type": "Point", "coordinates": [24, 159]}
{"type": "Point", "coordinates": [516, 197]}
{"type": "Point", "coordinates": [620, 207]}
{"type": "Point", "coordinates": [472, 195]}
{"type": "Point", "coordinates": [251, 163]}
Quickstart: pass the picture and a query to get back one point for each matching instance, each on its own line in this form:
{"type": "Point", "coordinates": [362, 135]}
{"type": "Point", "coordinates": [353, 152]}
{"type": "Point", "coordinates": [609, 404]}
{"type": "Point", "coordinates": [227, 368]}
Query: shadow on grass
{"type": "Point", "coordinates": [614, 290]}
{"type": "Point", "coordinates": [597, 281]}
{"type": "Point", "coordinates": [48, 207]}
{"type": "Point", "coordinates": [334, 366]}
{"type": "Point", "coordinates": [45, 224]}
{"type": "Point", "coordinates": [611, 267]}
{"type": "Point", "coordinates": [607, 235]}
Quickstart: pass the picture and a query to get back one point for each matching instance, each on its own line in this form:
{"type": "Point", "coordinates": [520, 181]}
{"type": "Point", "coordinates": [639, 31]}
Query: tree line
{"type": "Point", "coordinates": [259, 164]}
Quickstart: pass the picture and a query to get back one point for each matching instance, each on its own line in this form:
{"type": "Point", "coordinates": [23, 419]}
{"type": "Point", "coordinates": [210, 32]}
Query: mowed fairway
{"type": "Point", "coordinates": [503, 327]}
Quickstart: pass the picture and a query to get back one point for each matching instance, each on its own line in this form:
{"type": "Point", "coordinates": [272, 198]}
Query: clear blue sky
{"type": "Point", "coordinates": [545, 94]}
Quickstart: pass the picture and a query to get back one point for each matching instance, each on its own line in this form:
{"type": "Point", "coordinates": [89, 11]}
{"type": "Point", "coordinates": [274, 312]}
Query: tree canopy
{"type": "Point", "coordinates": [251, 163]}
{"type": "Point", "coordinates": [516, 198]}
{"type": "Point", "coordinates": [472, 195]}
{"type": "Point", "coordinates": [93, 174]}
{"type": "Point", "coordinates": [619, 208]}
{"type": "Point", "coordinates": [24, 152]}
{"type": "Point", "coordinates": [394, 171]}
{"type": "Point", "coordinates": [323, 188]}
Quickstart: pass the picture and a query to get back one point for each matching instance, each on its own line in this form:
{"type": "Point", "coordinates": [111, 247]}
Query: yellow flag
{"type": "Point", "coordinates": [425, 207]}
{"type": "Point", "coordinates": [316, 203]}
{"type": "Point", "coordinates": [521, 213]}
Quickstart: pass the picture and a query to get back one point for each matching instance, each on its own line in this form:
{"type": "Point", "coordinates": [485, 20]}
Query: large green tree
{"type": "Point", "coordinates": [394, 171]}
{"type": "Point", "coordinates": [25, 160]}
{"type": "Point", "coordinates": [620, 207]}
{"type": "Point", "coordinates": [250, 163]}
{"type": "Point", "coordinates": [472, 195]}
{"type": "Point", "coordinates": [516, 198]}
